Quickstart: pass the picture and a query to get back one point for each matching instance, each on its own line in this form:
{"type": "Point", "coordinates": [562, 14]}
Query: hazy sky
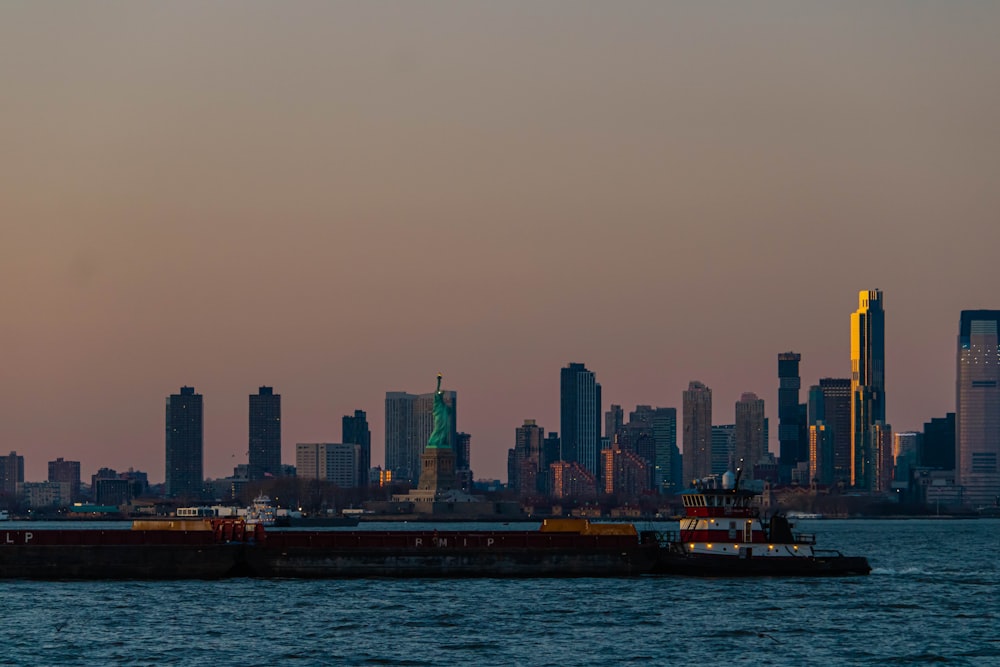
{"type": "Point", "coordinates": [342, 199]}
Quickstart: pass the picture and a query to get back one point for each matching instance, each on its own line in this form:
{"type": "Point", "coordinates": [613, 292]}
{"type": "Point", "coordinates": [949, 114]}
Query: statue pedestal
{"type": "Point", "coordinates": [437, 470]}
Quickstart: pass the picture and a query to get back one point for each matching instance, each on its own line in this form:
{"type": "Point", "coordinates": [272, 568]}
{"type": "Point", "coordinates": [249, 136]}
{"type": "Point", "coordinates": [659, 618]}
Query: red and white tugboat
{"type": "Point", "coordinates": [722, 534]}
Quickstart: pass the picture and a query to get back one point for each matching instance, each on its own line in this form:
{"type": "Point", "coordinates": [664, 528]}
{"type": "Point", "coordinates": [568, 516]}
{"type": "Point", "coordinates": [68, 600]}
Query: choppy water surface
{"type": "Point", "coordinates": [932, 598]}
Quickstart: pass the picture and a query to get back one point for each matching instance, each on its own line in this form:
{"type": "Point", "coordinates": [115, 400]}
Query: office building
{"type": "Point", "coordinates": [355, 431]}
{"type": "Point", "coordinates": [333, 462]}
{"type": "Point", "coordinates": [185, 464]}
{"type": "Point", "coordinates": [749, 443]}
{"type": "Point", "coordinates": [724, 451]}
{"type": "Point", "coordinates": [867, 387]}
{"type": "Point", "coordinates": [614, 420]}
{"type": "Point", "coordinates": [937, 446]}
{"type": "Point", "coordinates": [626, 474]}
{"type": "Point", "coordinates": [667, 458]}
{"type": "Point", "coordinates": [837, 417]}
{"type": "Point", "coordinates": [697, 406]}
{"type": "Point", "coordinates": [265, 434]}
{"type": "Point", "coordinates": [789, 427]}
{"type": "Point", "coordinates": [580, 416]}
{"type": "Point", "coordinates": [570, 480]}
{"type": "Point", "coordinates": [977, 413]}
{"type": "Point", "coordinates": [820, 453]}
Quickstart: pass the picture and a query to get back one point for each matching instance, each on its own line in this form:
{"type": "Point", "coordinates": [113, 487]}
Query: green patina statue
{"type": "Point", "coordinates": [443, 415]}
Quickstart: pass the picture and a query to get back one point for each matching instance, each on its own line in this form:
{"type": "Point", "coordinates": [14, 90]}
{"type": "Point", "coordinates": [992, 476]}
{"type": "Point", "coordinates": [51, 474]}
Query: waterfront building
{"type": "Point", "coordinates": [867, 387]}
{"type": "Point", "coordinates": [626, 473]}
{"type": "Point", "coordinates": [790, 450]}
{"type": "Point", "coordinates": [569, 479]}
{"type": "Point", "coordinates": [68, 473]}
{"type": "Point", "coordinates": [11, 476]}
{"type": "Point", "coordinates": [184, 446]}
{"type": "Point", "coordinates": [354, 430]}
{"type": "Point", "coordinates": [112, 492]}
{"type": "Point", "coordinates": [409, 422]}
{"type": "Point", "coordinates": [580, 416]}
{"type": "Point", "coordinates": [333, 462]}
{"type": "Point", "coordinates": [46, 494]}
{"type": "Point", "coordinates": [265, 434]}
{"type": "Point", "coordinates": [697, 405]}
{"type": "Point", "coordinates": [837, 417]}
{"type": "Point", "coordinates": [749, 443]}
{"type": "Point", "coordinates": [977, 420]}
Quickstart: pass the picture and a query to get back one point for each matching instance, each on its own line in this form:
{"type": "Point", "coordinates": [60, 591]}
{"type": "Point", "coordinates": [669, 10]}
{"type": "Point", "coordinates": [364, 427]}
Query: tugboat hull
{"type": "Point", "coordinates": [726, 566]}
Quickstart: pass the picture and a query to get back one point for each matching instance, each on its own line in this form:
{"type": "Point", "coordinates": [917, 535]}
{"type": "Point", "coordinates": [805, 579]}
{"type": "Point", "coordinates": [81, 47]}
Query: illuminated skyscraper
{"type": "Point", "coordinates": [867, 387]}
{"type": "Point", "coordinates": [978, 407]}
{"type": "Point", "coordinates": [185, 464]}
{"type": "Point", "coordinates": [697, 462]}
{"type": "Point", "coordinates": [580, 416]}
{"type": "Point", "coordinates": [265, 434]}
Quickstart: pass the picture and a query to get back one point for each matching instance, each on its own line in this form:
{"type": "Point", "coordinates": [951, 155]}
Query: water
{"type": "Point", "coordinates": [931, 598]}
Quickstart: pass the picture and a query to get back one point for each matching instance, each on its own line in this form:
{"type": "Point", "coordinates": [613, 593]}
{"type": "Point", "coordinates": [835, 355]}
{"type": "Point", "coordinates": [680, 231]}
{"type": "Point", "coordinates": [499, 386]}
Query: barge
{"type": "Point", "coordinates": [221, 548]}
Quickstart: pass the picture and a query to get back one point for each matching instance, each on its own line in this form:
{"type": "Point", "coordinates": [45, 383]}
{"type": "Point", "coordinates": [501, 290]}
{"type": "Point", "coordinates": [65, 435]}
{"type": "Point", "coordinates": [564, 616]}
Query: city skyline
{"type": "Point", "coordinates": [343, 200]}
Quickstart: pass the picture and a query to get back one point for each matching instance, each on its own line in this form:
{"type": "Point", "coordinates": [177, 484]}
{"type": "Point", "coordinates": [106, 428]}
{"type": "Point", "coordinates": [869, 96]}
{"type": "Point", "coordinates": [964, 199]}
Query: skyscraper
{"type": "Point", "coordinates": [697, 462]}
{"type": "Point", "coordinates": [265, 434]}
{"type": "Point", "coordinates": [837, 417]}
{"type": "Point", "coordinates": [867, 386]}
{"type": "Point", "coordinates": [409, 421]}
{"type": "Point", "coordinates": [614, 420]}
{"type": "Point", "coordinates": [580, 416]}
{"type": "Point", "coordinates": [977, 405]}
{"type": "Point", "coordinates": [789, 428]}
{"type": "Point", "coordinates": [354, 431]}
{"type": "Point", "coordinates": [11, 476]}
{"type": "Point", "coordinates": [184, 426]}
{"type": "Point", "coordinates": [749, 435]}
{"type": "Point", "coordinates": [724, 449]}
{"type": "Point", "coordinates": [667, 454]}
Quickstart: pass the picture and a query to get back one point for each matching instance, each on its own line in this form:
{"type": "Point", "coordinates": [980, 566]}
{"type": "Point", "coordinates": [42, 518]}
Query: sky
{"type": "Point", "coordinates": [343, 199]}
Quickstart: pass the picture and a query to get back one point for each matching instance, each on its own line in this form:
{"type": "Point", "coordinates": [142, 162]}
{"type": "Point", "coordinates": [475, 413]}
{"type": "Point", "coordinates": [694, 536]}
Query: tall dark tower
{"type": "Point", "coordinates": [265, 434]}
{"type": "Point", "coordinates": [355, 431]}
{"type": "Point", "coordinates": [789, 429]}
{"type": "Point", "coordinates": [580, 416]}
{"type": "Point", "coordinates": [185, 466]}
{"type": "Point", "coordinates": [977, 407]}
{"type": "Point", "coordinates": [867, 387]}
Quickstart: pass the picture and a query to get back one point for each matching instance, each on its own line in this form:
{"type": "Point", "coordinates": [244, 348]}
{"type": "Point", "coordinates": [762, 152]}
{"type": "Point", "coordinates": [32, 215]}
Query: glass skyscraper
{"type": "Point", "coordinates": [184, 426]}
{"type": "Point", "coordinates": [978, 407]}
{"type": "Point", "coordinates": [265, 434]}
{"type": "Point", "coordinates": [580, 417]}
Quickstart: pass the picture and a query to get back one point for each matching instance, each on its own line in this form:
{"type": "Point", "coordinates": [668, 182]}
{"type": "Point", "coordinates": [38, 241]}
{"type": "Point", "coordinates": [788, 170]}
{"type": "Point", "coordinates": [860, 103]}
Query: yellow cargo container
{"type": "Point", "coordinates": [584, 527]}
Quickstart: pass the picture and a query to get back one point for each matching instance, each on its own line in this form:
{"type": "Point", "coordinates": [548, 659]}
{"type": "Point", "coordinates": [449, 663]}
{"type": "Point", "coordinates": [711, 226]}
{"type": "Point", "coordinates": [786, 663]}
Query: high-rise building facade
{"type": "Point", "coordinates": [11, 476]}
{"type": "Point", "coordinates": [724, 450]}
{"type": "Point", "coordinates": [185, 427]}
{"type": "Point", "coordinates": [265, 434]}
{"type": "Point", "coordinates": [789, 426]}
{"type": "Point", "coordinates": [524, 460]}
{"type": "Point", "coordinates": [614, 420]}
{"type": "Point", "coordinates": [409, 422]}
{"type": "Point", "coordinates": [667, 454]}
{"type": "Point", "coordinates": [977, 404]}
{"type": "Point", "coordinates": [626, 474]}
{"type": "Point", "coordinates": [937, 446]}
{"type": "Point", "coordinates": [837, 417]}
{"type": "Point", "coordinates": [697, 406]}
{"type": "Point", "coordinates": [749, 435]}
{"type": "Point", "coordinates": [820, 453]}
{"type": "Point", "coordinates": [580, 416]}
{"type": "Point", "coordinates": [354, 430]}
{"type": "Point", "coordinates": [333, 462]}
{"type": "Point", "coordinates": [867, 387]}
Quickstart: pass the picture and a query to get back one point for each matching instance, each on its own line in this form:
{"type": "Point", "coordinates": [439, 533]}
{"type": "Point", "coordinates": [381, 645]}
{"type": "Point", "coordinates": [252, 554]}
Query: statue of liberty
{"type": "Point", "coordinates": [443, 416]}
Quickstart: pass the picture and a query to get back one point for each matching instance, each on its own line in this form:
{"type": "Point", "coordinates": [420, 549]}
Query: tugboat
{"type": "Point", "coordinates": [722, 534]}
{"type": "Point", "coordinates": [262, 511]}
